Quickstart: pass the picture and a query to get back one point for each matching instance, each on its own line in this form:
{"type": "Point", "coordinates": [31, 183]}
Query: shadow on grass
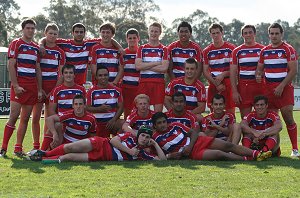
{"type": "Point", "coordinates": [38, 167]}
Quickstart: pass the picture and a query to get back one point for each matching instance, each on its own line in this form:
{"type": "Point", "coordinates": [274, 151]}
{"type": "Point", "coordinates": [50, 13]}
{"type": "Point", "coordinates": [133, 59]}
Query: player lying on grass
{"type": "Point", "coordinates": [121, 147]}
{"type": "Point", "coordinates": [180, 141]}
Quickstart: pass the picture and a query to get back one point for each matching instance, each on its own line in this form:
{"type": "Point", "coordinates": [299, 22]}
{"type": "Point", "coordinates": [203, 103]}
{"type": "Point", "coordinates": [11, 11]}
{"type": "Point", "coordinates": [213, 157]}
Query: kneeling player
{"type": "Point", "coordinates": [261, 127]}
{"type": "Point", "coordinates": [178, 141]}
{"type": "Point", "coordinates": [121, 147]}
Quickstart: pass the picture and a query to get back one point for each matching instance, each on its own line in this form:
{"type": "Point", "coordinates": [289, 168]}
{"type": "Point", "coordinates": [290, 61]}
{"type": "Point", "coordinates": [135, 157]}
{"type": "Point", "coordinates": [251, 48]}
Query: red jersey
{"type": "Point", "coordinates": [135, 121]}
{"type": "Point", "coordinates": [77, 128]}
{"type": "Point", "coordinates": [188, 119]}
{"type": "Point", "coordinates": [261, 124]}
{"type": "Point", "coordinates": [149, 53]}
{"type": "Point", "coordinates": [27, 56]}
{"type": "Point", "coordinates": [131, 75]}
{"type": "Point", "coordinates": [193, 93]}
{"type": "Point", "coordinates": [110, 95]}
{"type": "Point", "coordinates": [178, 55]}
{"type": "Point", "coordinates": [63, 96]}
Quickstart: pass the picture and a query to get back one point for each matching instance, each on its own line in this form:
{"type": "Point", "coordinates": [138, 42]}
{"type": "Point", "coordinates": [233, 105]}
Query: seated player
{"type": "Point", "coordinates": [221, 124]}
{"type": "Point", "coordinates": [141, 116]}
{"type": "Point", "coordinates": [106, 103]}
{"type": "Point", "coordinates": [179, 141]}
{"type": "Point", "coordinates": [261, 127]}
{"type": "Point", "coordinates": [70, 126]}
{"type": "Point", "coordinates": [124, 146]}
{"type": "Point", "coordinates": [193, 89]}
{"type": "Point", "coordinates": [178, 113]}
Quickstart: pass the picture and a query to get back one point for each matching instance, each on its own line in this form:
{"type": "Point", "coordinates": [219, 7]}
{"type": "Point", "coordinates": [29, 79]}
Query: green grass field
{"type": "Point", "coordinates": [276, 177]}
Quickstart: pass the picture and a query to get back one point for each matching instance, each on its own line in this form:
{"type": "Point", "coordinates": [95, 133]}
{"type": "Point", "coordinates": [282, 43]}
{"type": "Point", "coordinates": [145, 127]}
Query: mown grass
{"type": "Point", "coordinates": [276, 177]}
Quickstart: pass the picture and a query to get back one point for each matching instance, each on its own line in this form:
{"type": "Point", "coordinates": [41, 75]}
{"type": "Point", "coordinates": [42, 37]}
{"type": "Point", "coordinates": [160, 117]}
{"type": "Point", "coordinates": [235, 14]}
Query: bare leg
{"type": "Point", "coordinates": [220, 155]}
{"type": "Point", "coordinates": [81, 146]}
{"type": "Point", "coordinates": [15, 109]}
{"type": "Point", "coordinates": [36, 115]}
{"type": "Point", "coordinates": [75, 157]}
{"type": "Point", "coordinates": [118, 126]}
{"type": "Point", "coordinates": [24, 118]}
{"type": "Point", "coordinates": [236, 134]}
{"type": "Point", "coordinates": [245, 111]}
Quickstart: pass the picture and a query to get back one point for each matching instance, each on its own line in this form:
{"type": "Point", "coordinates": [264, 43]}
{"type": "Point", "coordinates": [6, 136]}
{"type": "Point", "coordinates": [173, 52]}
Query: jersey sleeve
{"type": "Point", "coordinates": [166, 56]}
{"type": "Point", "coordinates": [53, 96]}
{"type": "Point", "coordinates": [13, 50]}
{"type": "Point", "coordinates": [124, 136]}
{"type": "Point", "coordinates": [89, 97]}
{"type": "Point", "coordinates": [234, 57]}
{"type": "Point", "coordinates": [93, 127]}
{"type": "Point", "coordinates": [201, 96]}
{"type": "Point", "coordinates": [170, 89]}
{"type": "Point", "coordinates": [62, 60]}
{"type": "Point", "coordinates": [291, 54]}
{"type": "Point", "coordinates": [93, 55]}
{"type": "Point", "coordinates": [139, 52]}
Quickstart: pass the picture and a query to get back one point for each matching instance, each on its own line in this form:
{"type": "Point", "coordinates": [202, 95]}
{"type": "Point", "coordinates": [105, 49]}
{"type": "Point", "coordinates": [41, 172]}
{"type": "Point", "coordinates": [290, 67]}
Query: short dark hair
{"type": "Point", "coordinates": [27, 21]}
{"type": "Point", "coordinates": [260, 97]}
{"type": "Point", "coordinates": [78, 25]}
{"type": "Point", "coordinates": [248, 26]}
{"type": "Point", "coordinates": [215, 26]}
{"type": "Point", "coordinates": [51, 26]}
{"type": "Point", "coordinates": [185, 24]}
{"type": "Point", "coordinates": [101, 67]}
{"type": "Point", "coordinates": [79, 96]}
{"type": "Point", "coordinates": [67, 66]}
{"type": "Point", "coordinates": [217, 97]}
{"type": "Point", "coordinates": [109, 26]}
{"type": "Point", "coordinates": [178, 94]}
{"type": "Point", "coordinates": [133, 31]}
{"type": "Point", "coordinates": [276, 25]}
{"type": "Point", "coordinates": [191, 60]}
{"type": "Point", "coordinates": [158, 115]}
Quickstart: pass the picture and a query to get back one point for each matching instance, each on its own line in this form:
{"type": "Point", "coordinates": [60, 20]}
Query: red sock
{"type": "Point", "coordinates": [36, 145]}
{"type": "Point", "coordinates": [8, 131]}
{"type": "Point", "coordinates": [269, 145]}
{"type": "Point", "coordinates": [57, 151]}
{"type": "Point", "coordinates": [18, 148]}
{"type": "Point", "coordinates": [246, 142]}
{"type": "Point", "coordinates": [46, 142]}
{"type": "Point", "coordinates": [292, 131]}
{"type": "Point", "coordinates": [255, 154]}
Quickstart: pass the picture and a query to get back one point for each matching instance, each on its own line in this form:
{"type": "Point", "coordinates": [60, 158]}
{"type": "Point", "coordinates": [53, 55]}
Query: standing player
{"type": "Point", "coordinates": [26, 84]}
{"type": "Point", "coordinates": [106, 103]}
{"type": "Point", "coordinates": [217, 58]}
{"type": "Point", "coordinates": [152, 60]}
{"type": "Point", "coordinates": [261, 127]}
{"type": "Point", "coordinates": [51, 64]}
{"type": "Point", "coordinates": [131, 75]}
{"type": "Point", "coordinates": [221, 124]}
{"type": "Point", "coordinates": [279, 63]}
{"type": "Point", "coordinates": [141, 116]}
{"type": "Point", "coordinates": [106, 54]}
{"type": "Point", "coordinates": [119, 148]}
{"type": "Point", "coordinates": [179, 141]}
{"type": "Point", "coordinates": [183, 49]}
{"type": "Point", "coordinates": [70, 126]}
{"type": "Point", "coordinates": [242, 71]}
{"type": "Point", "coordinates": [193, 89]}
{"type": "Point", "coordinates": [178, 112]}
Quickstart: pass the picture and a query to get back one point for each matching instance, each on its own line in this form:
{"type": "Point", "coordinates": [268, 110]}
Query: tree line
{"type": "Point", "coordinates": [130, 13]}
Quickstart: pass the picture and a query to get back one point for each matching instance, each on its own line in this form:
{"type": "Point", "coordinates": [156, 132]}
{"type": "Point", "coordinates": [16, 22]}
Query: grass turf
{"type": "Point", "coordinates": [276, 177]}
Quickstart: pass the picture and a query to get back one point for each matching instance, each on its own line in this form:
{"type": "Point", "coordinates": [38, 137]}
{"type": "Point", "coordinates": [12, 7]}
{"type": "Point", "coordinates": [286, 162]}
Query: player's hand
{"type": "Point", "coordinates": [278, 90]}
{"type": "Point", "coordinates": [175, 155]}
{"type": "Point", "coordinates": [236, 98]}
{"type": "Point", "coordinates": [134, 151]}
{"type": "Point", "coordinates": [151, 142]}
{"type": "Point", "coordinates": [187, 150]}
{"type": "Point", "coordinates": [223, 121]}
{"type": "Point", "coordinates": [19, 90]}
{"type": "Point", "coordinates": [42, 50]}
{"type": "Point", "coordinates": [40, 96]}
{"type": "Point", "coordinates": [219, 79]}
{"type": "Point", "coordinates": [55, 143]}
{"type": "Point", "coordinates": [104, 108]}
{"type": "Point", "coordinates": [221, 87]}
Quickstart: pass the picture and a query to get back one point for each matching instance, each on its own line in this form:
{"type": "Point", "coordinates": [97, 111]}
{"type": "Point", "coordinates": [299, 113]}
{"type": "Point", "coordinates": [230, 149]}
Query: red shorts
{"type": "Point", "coordinates": [286, 98]}
{"type": "Point", "coordinates": [202, 143]}
{"type": "Point", "coordinates": [212, 90]}
{"type": "Point", "coordinates": [102, 150]}
{"type": "Point", "coordinates": [29, 97]}
{"type": "Point", "coordinates": [129, 93]}
{"type": "Point", "coordinates": [101, 130]}
{"type": "Point", "coordinates": [156, 91]}
{"type": "Point", "coordinates": [248, 91]}
{"type": "Point", "coordinates": [47, 87]}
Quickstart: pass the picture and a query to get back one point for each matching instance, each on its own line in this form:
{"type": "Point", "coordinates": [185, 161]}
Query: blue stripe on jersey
{"type": "Point", "coordinates": [77, 59]}
{"type": "Point", "coordinates": [45, 65]}
{"type": "Point", "coordinates": [26, 61]}
{"type": "Point", "coordinates": [114, 65]}
{"type": "Point", "coordinates": [152, 76]}
{"type": "Point", "coordinates": [24, 47]}
{"type": "Point", "coordinates": [26, 74]}
{"type": "Point", "coordinates": [78, 71]}
{"type": "Point", "coordinates": [104, 119]}
{"type": "Point", "coordinates": [49, 77]}
{"type": "Point", "coordinates": [215, 66]}
{"type": "Point", "coordinates": [275, 79]}
{"type": "Point", "coordinates": [178, 64]}
{"type": "Point", "coordinates": [273, 51]}
{"type": "Point", "coordinates": [261, 122]}
{"type": "Point", "coordinates": [177, 75]}
{"type": "Point", "coordinates": [184, 121]}
{"type": "Point", "coordinates": [247, 76]}
{"type": "Point", "coordinates": [131, 83]}
{"type": "Point", "coordinates": [193, 104]}
{"type": "Point", "coordinates": [130, 70]}
{"type": "Point", "coordinates": [276, 66]}
{"type": "Point", "coordinates": [248, 64]}
{"type": "Point", "coordinates": [145, 156]}
{"type": "Point", "coordinates": [114, 154]}
{"type": "Point", "coordinates": [64, 106]}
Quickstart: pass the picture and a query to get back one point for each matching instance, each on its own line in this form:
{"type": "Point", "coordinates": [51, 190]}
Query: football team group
{"type": "Point", "coordinates": [86, 124]}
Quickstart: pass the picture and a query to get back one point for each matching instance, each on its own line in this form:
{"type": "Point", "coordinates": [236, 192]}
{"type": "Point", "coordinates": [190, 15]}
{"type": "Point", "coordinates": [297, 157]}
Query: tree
{"type": "Point", "coordinates": [232, 32]}
{"type": "Point", "coordinates": [8, 20]}
{"type": "Point", "coordinates": [42, 21]}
